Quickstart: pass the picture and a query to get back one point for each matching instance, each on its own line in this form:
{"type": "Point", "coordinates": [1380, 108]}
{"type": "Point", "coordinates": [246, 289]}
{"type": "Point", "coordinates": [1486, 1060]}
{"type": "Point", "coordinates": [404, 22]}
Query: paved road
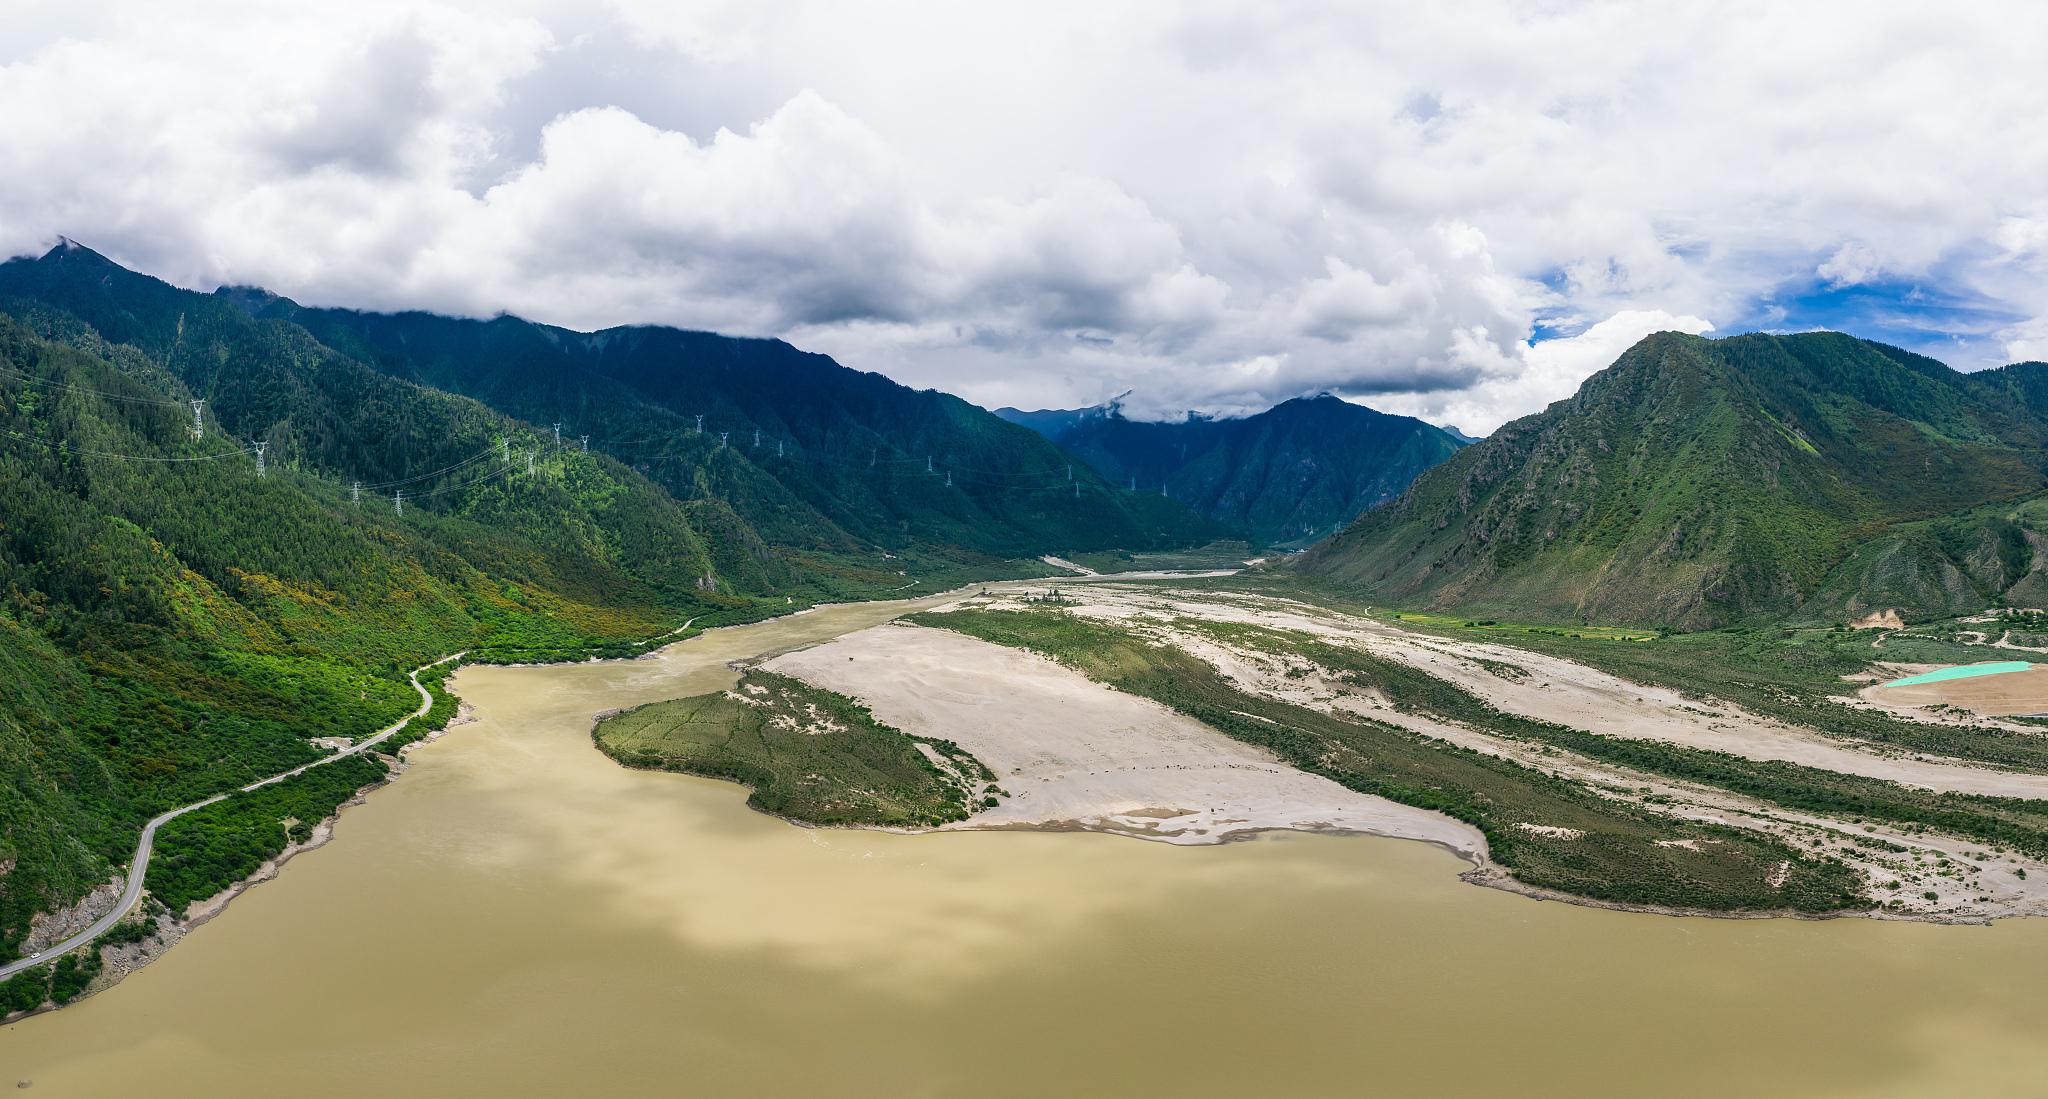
{"type": "Point", "coordinates": [138, 869]}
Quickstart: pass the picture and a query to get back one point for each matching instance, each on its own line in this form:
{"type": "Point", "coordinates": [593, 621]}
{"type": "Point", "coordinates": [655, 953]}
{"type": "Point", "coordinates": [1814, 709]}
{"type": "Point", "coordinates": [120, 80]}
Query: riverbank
{"type": "Point", "coordinates": [134, 881]}
{"type": "Point", "coordinates": [172, 928]}
{"type": "Point", "coordinates": [1070, 754]}
{"type": "Point", "coordinates": [521, 917]}
{"type": "Point", "coordinates": [1073, 756]}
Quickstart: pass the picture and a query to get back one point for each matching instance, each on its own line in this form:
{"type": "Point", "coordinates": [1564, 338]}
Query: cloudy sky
{"type": "Point", "coordinates": [1455, 210]}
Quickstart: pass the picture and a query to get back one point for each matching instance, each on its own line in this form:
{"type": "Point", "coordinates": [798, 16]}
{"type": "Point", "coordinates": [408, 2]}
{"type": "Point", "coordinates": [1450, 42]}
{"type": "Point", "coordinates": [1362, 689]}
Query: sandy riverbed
{"type": "Point", "coordinates": [1111, 762]}
{"type": "Point", "coordinates": [1075, 754]}
{"type": "Point", "coordinates": [1562, 691]}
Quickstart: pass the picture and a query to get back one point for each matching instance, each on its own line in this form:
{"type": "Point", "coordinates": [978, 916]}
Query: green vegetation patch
{"type": "Point", "coordinates": [441, 709]}
{"type": "Point", "coordinates": [60, 983]}
{"type": "Point", "coordinates": [25, 991]}
{"type": "Point", "coordinates": [2015, 822]}
{"type": "Point", "coordinates": [808, 754]}
{"type": "Point", "coordinates": [1581, 843]}
{"type": "Point", "coordinates": [1215, 555]}
{"type": "Point", "coordinates": [1793, 675]}
{"type": "Point", "coordinates": [1448, 621]}
{"type": "Point", "coordinates": [210, 849]}
{"type": "Point", "coordinates": [1789, 674]}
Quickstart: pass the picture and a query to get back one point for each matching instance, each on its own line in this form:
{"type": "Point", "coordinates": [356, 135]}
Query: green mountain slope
{"type": "Point", "coordinates": [814, 455]}
{"type": "Point", "coordinates": [176, 621]}
{"type": "Point", "coordinates": [1698, 482]}
{"type": "Point", "coordinates": [1287, 476]}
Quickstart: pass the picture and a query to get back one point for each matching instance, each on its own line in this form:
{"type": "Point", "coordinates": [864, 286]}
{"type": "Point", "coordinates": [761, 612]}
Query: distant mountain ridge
{"type": "Point", "coordinates": [846, 454]}
{"type": "Point", "coordinates": [814, 454]}
{"type": "Point", "coordinates": [1699, 482]}
{"type": "Point", "coordinates": [1286, 476]}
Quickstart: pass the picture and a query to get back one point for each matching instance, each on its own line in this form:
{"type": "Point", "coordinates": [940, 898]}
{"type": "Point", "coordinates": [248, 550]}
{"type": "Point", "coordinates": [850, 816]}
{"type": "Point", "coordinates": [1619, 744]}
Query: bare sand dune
{"type": "Point", "coordinates": [1073, 753]}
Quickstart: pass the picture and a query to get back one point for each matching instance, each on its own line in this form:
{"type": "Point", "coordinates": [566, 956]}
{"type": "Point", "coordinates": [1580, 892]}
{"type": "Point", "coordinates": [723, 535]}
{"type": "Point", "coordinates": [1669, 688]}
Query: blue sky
{"type": "Point", "coordinates": [1942, 321]}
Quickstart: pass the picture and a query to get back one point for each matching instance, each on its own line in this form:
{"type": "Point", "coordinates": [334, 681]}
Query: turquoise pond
{"type": "Point", "coordinates": [1962, 671]}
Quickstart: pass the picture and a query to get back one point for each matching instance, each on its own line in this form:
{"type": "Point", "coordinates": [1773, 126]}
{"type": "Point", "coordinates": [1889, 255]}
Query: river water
{"type": "Point", "coordinates": [518, 916]}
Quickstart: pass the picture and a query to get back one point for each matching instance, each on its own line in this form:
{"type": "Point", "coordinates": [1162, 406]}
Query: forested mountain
{"type": "Point", "coordinates": [185, 602]}
{"type": "Point", "coordinates": [173, 624]}
{"type": "Point", "coordinates": [1699, 482]}
{"type": "Point", "coordinates": [1288, 476]}
{"type": "Point", "coordinates": [809, 454]}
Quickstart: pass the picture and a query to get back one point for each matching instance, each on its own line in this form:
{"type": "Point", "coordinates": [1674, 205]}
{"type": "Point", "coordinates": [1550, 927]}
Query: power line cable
{"type": "Point", "coordinates": [31, 379]}
{"type": "Point", "coordinates": [66, 448]}
{"type": "Point", "coordinates": [472, 483]}
{"type": "Point", "coordinates": [469, 461]}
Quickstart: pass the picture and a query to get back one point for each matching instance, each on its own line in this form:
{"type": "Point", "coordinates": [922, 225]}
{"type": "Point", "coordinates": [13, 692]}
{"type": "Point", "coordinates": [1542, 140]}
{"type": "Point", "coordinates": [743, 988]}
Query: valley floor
{"type": "Point", "coordinates": [1675, 801]}
{"type": "Point", "coordinates": [1073, 753]}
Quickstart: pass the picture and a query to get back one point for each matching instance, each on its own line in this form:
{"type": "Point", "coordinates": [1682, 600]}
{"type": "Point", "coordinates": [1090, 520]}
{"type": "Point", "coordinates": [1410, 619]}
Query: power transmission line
{"type": "Point", "coordinates": [956, 475]}
{"type": "Point", "coordinates": [1006, 480]}
{"type": "Point", "coordinates": [66, 448]}
{"type": "Point", "coordinates": [471, 483]}
{"type": "Point", "coordinates": [45, 383]}
{"type": "Point", "coordinates": [466, 462]}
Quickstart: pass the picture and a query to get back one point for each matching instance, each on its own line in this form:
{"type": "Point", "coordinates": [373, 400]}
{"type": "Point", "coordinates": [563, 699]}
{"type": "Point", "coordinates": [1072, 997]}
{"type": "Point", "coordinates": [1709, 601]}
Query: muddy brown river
{"type": "Point", "coordinates": [519, 916]}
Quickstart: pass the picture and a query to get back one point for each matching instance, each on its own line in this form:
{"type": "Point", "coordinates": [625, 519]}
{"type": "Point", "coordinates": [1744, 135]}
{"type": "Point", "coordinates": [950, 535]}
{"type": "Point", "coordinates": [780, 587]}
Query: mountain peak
{"type": "Point", "coordinates": [67, 250]}
{"type": "Point", "coordinates": [1696, 483]}
{"type": "Point", "coordinates": [249, 299]}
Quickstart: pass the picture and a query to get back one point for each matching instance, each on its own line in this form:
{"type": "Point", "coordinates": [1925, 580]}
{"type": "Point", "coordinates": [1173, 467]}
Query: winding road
{"type": "Point", "coordinates": [138, 868]}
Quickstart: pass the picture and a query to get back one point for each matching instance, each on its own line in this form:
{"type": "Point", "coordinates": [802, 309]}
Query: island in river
{"type": "Point", "coordinates": [1199, 713]}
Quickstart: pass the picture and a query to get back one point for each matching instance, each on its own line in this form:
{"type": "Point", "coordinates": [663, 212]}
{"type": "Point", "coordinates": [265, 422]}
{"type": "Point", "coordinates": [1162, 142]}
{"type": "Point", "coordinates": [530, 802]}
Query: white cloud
{"type": "Point", "coordinates": [2027, 342]}
{"type": "Point", "coordinates": [1543, 373]}
{"type": "Point", "coordinates": [1853, 264]}
{"type": "Point", "coordinates": [1348, 300]}
{"type": "Point", "coordinates": [1223, 208]}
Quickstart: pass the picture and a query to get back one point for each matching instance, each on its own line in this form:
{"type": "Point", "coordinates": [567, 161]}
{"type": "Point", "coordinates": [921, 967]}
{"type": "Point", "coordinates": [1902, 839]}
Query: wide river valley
{"type": "Point", "coordinates": [517, 915]}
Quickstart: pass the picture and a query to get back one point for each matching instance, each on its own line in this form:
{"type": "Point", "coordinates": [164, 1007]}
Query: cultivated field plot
{"type": "Point", "coordinates": [1997, 689]}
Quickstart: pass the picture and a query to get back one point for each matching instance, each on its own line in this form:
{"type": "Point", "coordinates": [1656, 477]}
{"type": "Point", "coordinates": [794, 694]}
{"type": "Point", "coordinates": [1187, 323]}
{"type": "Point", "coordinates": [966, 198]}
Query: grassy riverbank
{"type": "Point", "coordinates": [210, 849]}
{"type": "Point", "coordinates": [808, 754]}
